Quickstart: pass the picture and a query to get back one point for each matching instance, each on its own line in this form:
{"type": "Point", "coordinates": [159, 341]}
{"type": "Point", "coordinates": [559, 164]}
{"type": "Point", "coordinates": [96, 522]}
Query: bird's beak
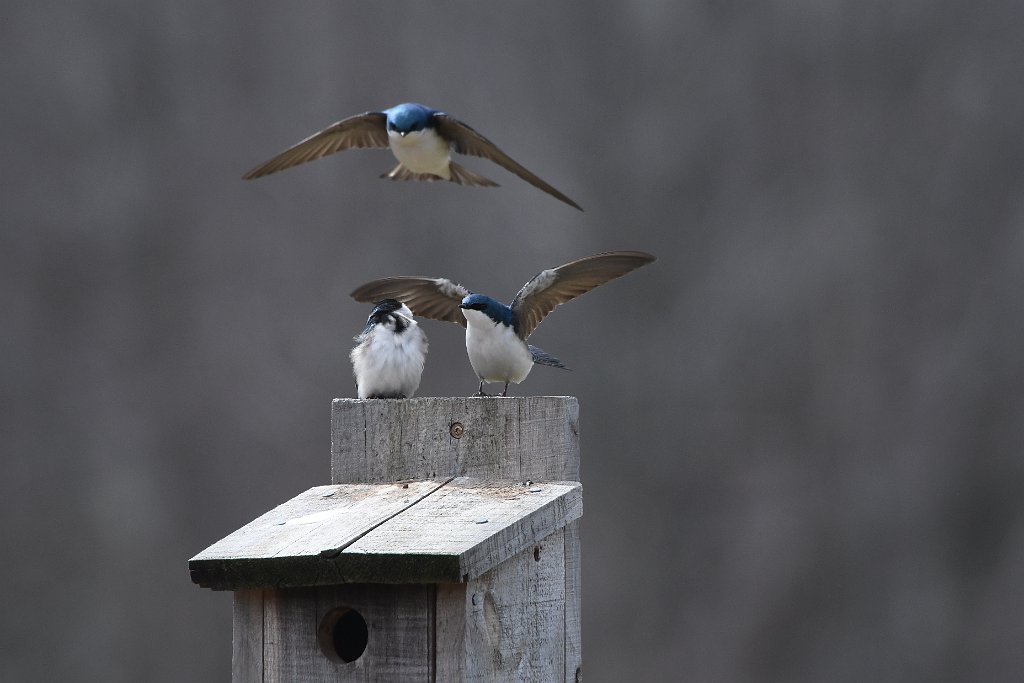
{"type": "Point", "coordinates": [402, 133]}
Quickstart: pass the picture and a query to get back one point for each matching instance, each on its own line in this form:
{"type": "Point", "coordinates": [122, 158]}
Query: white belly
{"type": "Point", "coordinates": [390, 363]}
{"type": "Point", "coordinates": [495, 352]}
{"type": "Point", "coordinates": [421, 152]}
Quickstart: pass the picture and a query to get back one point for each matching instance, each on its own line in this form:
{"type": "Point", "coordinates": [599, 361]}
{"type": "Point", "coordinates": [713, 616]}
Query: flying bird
{"type": "Point", "coordinates": [421, 138]}
{"type": "Point", "coordinates": [496, 334]}
{"type": "Point", "coordinates": [388, 358]}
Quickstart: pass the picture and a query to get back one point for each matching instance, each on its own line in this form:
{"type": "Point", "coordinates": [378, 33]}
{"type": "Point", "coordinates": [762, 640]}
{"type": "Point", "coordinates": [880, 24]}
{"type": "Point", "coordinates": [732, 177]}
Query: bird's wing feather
{"type": "Point", "coordinates": [436, 298]}
{"type": "Point", "coordinates": [465, 140]}
{"type": "Point", "coordinates": [555, 286]}
{"type": "Point", "coordinates": [367, 130]}
{"type": "Point", "coordinates": [542, 357]}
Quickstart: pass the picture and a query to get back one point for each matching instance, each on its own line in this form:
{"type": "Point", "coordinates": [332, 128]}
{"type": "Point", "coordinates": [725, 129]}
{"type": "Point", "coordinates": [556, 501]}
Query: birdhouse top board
{"type": "Point", "coordinates": [427, 531]}
{"type": "Point", "coordinates": [517, 438]}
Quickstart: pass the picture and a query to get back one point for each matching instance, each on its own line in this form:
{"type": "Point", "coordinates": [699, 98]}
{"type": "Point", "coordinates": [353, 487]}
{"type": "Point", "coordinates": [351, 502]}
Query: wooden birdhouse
{"type": "Point", "coordinates": [446, 548]}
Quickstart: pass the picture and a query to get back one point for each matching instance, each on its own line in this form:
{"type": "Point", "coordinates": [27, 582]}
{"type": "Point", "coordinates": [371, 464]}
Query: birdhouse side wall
{"type": "Point", "coordinates": [518, 621]}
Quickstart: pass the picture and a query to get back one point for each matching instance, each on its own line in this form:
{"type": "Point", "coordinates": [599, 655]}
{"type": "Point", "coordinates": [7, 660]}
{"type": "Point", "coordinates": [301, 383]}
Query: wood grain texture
{"type": "Point", "coordinates": [516, 438]}
{"type": "Point", "coordinates": [459, 547]}
{"type": "Point", "coordinates": [400, 634]}
{"type": "Point", "coordinates": [265, 552]}
{"type": "Point", "coordinates": [573, 603]}
{"type": "Point", "coordinates": [247, 636]}
{"type": "Point", "coordinates": [511, 620]}
{"type": "Point", "coordinates": [517, 622]}
{"type": "Point", "coordinates": [480, 523]}
{"type": "Point", "coordinates": [323, 516]}
{"type": "Point", "coordinates": [418, 532]}
{"type": "Point", "coordinates": [451, 652]}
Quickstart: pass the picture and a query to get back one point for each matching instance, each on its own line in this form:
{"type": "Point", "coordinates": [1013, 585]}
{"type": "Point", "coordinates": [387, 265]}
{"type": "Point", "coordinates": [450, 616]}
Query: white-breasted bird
{"type": "Point", "coordinates": [496, 334]}
{"type": "Point", "coordinates": [388, 358]}
{"type": "Point", "coordinates": [421, 138]}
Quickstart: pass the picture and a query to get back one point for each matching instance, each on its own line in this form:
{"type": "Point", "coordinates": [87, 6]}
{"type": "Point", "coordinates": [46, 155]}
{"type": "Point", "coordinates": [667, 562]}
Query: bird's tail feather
{"type": "Point", "coordinates": [463, 176]}
{"type": "Point", "coordinates": [542, 357]}
{"type": "Point", "coordinates": [402, 173]}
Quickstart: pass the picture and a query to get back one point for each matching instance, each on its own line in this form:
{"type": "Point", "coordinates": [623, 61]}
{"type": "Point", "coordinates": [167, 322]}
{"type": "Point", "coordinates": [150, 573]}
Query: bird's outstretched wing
{"type": "Point", "coordinates": [465, 140]}
{"type": "Point", "coordinates": [555, 286]}
{"type": "Point", "coordinates": [367, 130]}
{"type": "Point", "coordinates": [427, 297]}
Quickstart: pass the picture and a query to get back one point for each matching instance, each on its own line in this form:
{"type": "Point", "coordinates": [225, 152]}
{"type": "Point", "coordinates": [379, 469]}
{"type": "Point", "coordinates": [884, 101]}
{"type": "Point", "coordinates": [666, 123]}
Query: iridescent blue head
{"type": "Point", "coordinates": [496, 311]}
{"type": "Point", "coordinates": [409, 118]}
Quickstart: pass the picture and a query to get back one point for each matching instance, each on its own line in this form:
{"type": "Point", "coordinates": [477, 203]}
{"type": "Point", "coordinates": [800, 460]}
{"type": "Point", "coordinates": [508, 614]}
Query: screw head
{"type": "Point", "coordinates": [457, 430]}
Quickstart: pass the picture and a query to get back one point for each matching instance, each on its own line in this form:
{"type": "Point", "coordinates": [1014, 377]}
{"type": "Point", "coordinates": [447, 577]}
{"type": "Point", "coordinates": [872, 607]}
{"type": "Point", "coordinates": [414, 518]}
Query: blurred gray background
{"type": "Point", "coordinates": [802, 427]}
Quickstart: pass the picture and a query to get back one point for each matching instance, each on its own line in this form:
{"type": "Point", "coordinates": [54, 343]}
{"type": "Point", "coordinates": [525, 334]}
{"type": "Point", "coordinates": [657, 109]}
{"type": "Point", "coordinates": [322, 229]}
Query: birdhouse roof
{"type": "Point", "coordinates": [431, 531]}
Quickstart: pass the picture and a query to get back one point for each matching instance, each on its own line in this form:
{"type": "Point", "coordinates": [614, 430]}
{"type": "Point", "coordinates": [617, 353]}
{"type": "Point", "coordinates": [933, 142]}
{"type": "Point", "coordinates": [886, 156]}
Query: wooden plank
{"type": "Point", "coordinates": [341, 512]}
{"type": "Point", "coordinates": [400, 634]}
{"type": "Point", "coordinates": [450, 650]}
{"type": "Point", "coordinates": [573, 603]}
{"type": "Point", "coordinates": [418, 532]}
{"type": "Point", "coordinates": [322, 518]}
{"type": "Point", "coordinates": [247, 636]}
{"type": "Point", "coordinates": [481, 523]}
{"type": "Point", "coordinates": [516, 438]}
{"type": "Point", "coordinates": [281, 619]}
{"type": "Point", "coordinates": [515, 617]}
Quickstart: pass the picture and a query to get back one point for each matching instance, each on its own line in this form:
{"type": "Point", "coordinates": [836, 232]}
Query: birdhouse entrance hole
{"type": "Point", "coordinates": [343, 635]}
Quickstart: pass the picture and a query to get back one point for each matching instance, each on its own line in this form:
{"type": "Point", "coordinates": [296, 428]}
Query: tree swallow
{"type": "Point", "coordinates": [421, 138]}
{"type": "Point", "coordinates": [496, 334]}
{"type": "Point", "coordinates": [389, 354]}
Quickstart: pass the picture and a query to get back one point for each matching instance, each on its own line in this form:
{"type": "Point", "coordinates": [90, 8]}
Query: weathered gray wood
{"type": "Point", "coordinates": [513, 620]}
{"type": "Point", "coordinates": [482, 524]}
{"type": "Point", "coordinates": [516, 438]}
{"type": "Point", "coordinates": [418, 532]}
{"type": "Point", "coordinates": [247, 636]}
{"type": "Point", "coordinates": [452, 528]}
{"type": "Point", "coordinates": [451, 649]}
{"type": "Point", "coordinates": [400, 625]}
{"type": "Point", "coordinates": [322, 518]}
{"type": "Point", "coordinates": [573, 603]}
